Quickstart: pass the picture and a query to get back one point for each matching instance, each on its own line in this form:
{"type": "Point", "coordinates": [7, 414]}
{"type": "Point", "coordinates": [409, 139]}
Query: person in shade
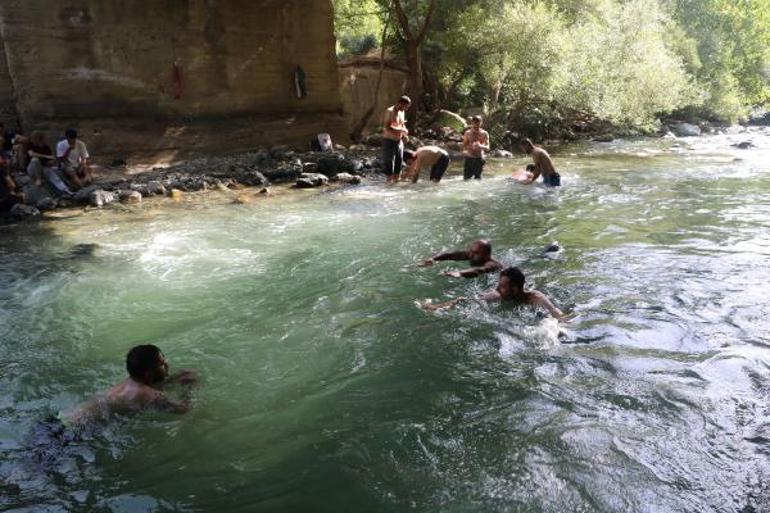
{"type": "Point", "coordinates": [394, 132]}
{"type": "Point", "coordinates": [510, 289]}
{"type": "Point", "coordinates": [479, 255]}
{"type": "Point", "coordinates": [543, 166]}
{"type": "Point", "coordinates": [475, 143]}
{"type": "Point", "coordinates": [431, 157]}
{"type": "Point", "coordinates": [73, 159]}
{"type": "Point", "coordinates": [143, 389]}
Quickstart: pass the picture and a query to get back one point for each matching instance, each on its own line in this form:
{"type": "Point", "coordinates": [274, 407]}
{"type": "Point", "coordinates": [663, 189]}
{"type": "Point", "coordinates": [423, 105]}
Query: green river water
{"type": "Point", "coordinates": [325, 389]}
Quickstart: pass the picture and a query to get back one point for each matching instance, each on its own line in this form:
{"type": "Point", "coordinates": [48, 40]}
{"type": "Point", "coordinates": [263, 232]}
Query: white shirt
{"type": "Point", "coordinates": [76, 155]}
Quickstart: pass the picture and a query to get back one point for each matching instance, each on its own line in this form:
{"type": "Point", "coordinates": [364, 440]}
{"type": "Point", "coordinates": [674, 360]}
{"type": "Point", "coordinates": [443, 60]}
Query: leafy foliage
{"type": "Point", "coordinates": [622, 62]}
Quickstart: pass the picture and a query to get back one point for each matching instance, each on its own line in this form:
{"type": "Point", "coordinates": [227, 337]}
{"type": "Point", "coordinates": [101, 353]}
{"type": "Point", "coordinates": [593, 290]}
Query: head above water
{"type": "Point", "coordinates": [146, 364]}
{"type": "Point", "coordinates": [527, 145]}
{"type": "Point", "coordinates": [480, 252]}
{"type": "Point", "coordinates": [511, 282]}
{"type": "Point", "coordinates": [404, 102]}
{"type": "Point", "coordinates": [409, 156]}
{"type": "Point", "coordinates": [476, 121]}
{"type": "Point", "coordinates": [71, 135]}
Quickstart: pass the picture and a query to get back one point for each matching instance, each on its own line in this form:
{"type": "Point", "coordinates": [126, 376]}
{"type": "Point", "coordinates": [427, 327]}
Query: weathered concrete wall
{"type": "Point", "coordinates": [357, 88]}
{"type": "Point", "coordinates": [107, 67]}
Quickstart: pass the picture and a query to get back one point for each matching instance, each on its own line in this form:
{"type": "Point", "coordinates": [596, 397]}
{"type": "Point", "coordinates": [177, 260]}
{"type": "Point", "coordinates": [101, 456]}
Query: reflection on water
{"type": "Point", "coordinates": [325, 389]}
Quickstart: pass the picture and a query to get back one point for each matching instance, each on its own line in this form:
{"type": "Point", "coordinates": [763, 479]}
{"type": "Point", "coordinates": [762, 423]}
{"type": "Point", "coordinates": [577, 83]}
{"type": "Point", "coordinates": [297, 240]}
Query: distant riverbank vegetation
{"type": "Point", "coordinates": [553, 65]}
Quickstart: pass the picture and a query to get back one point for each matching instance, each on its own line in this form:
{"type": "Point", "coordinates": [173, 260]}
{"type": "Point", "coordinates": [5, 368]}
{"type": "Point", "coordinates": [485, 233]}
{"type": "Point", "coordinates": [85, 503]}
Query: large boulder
{"type": "Point", "coordinates": [310, 180]}
{"type": "Point", "coordinates": [101, 198]}
{"type": "Point", "coordinates": [253, 179]}
{"type": "Point", "coordinates": [454, 121]}
{"type": "Point", "coordinates": [22, 212]}
{"type": "Point", "coordinates": [686, 130]}
{"type": "Point", "coordinates": [330, 165]}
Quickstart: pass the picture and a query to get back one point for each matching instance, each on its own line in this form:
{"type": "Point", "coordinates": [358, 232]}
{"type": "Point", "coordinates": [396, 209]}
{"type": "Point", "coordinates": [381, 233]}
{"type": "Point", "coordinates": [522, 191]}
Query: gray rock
{"type": "Point", "coordinates": [686, 130]}
{"type": "Point", "coordinates": [346, 178]}
{"type": "Point", "coordinates": [155, 188]}
{"type": "Point", "coordinates": [279, 152]}
{"type": "Point", "coordinates": [330, 165]}
{"type": "Point", "coordinates": [253, 179]}
{"type": "Point", "coordinates": [501, 154]}
{"type": "Point", "coordinates": [21, 212]}
{"type": "Point", "coordinates": [310, 167]}
{"type": "Point", "coordinates": [743, 145]}
{"type": "Point", "coordinates": [84, 194]}
{"type": "Point", "coordinates": [47, 203]}
{"type": "Point", "coordinates": [101, 198]}
{"type": "Point", "coordinates": [310, 180]}
{"type": "Point", "coordinates": [128, 196]}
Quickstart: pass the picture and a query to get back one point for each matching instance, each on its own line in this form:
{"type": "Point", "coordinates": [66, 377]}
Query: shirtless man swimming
{"type": "Point", "coordinates": [543, 166]}
{"type": "Point", "coordinates": [479, 255]}
{"type": "Point", "coordinates": [510, 287]}
{"type": "Point", "coordinates": [147, 374]}
{"type": "Point", "coordinates": [433, 157]}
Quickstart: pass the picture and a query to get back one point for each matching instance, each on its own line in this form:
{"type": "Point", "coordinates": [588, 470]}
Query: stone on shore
{"type": "Point", "coordinates": [686, 130]}
{"type": "Point", "coordinates": [84, 194]}
{"type": "Point", "coordinates": [128, 196]}
{"type": "Point", "coordinates": [346, 178]}
{"type": "Point", "coordinates": [310, 180]}
{"type": "Point", "coordinates": [21, 212]}
{"type": "Point", "coordinates": [155, 188]}
{"type": "Point", "coordinates": [743, 145]}
{"type": "Point", "coordinates": [501, 154]}
{"type": "Point", "coordinates": [101, 198]}
{"type": "Point", "coordinates": [46, 203]}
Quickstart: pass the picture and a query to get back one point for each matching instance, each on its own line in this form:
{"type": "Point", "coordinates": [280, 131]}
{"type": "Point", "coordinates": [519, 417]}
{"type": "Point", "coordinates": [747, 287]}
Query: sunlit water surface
{"type": "Point", "coordinates": [326, 389]}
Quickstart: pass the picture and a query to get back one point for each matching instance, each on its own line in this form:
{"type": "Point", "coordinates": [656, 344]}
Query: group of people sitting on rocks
{"type": "Point", "coordinates": [30, 160]}
{"type": "Point", "coordinates": [475, 144]}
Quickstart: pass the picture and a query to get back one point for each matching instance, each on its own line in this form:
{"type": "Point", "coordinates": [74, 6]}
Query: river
{"type": "Point", "coordinates": [326, 389]}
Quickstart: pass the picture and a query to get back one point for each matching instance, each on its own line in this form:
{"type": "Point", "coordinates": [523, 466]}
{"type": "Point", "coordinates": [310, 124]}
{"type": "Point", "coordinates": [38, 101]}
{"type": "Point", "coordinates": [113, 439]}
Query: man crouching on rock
{"type": "Point", "coordinates": [142, 389]}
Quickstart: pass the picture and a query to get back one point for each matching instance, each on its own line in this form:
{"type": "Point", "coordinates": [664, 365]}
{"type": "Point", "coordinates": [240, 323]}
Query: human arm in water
{"type": "Point", "coordinates": [541, 300]}
{"type": "Point", "coordinates": [435, 307]}
{"type": "Point", "coordinates": [454, 255]}
{"type": "Point", "coordinates": [187, 379]}
{"type": "Point", "coordinates": [489, 267]}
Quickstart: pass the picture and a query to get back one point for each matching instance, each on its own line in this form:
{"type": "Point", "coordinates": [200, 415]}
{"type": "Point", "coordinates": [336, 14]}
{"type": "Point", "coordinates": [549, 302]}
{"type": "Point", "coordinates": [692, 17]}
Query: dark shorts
{"type": "Point", "coordinates": [392, 156]}
{"type": "Point", "coordinates": [473, 168]}
{"type": "Point", "coordinates": [439, 168]}
{"type": "Point", "coordinates": [552, 181]}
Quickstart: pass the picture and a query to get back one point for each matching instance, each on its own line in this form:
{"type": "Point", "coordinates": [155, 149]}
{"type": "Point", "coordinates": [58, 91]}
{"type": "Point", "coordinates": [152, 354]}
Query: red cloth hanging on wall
{"type": "Point", "coordinates": [176, 80]}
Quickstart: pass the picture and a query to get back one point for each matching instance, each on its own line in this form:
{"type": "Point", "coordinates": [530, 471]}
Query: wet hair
{"type": "Point", "coordinates": [405, 99]}
{"type": "Point", "coordinates": [409, 155]}
{"type": "Point", "coordinates": [475, 119]}
{"type": "Point", "coordinates": [141, 359]}
{"type": "Point", "coordinates": [527, 142]}
{"type": "Point", "coordinates": [485, 245]}
{"type": "Point", "coordinates": [71, 133]}
{"type": "Point", "coordinates": [515, 275]}
{"type": "Point", "coordinates": [530, 168]}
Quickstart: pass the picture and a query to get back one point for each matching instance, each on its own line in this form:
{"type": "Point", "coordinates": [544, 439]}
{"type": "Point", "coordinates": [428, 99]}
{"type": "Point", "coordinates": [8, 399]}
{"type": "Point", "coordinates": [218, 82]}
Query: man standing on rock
{"type": "Point", "coordinates": [475, 143]}
{"type": "Point", "coordinates": [543, 165]}
{"type": "Point", "coordinates": [73, 159]}
{"type": "Point", "coordinates": [479, 255]}
{"type": "Point", "coordinates": [427, 156]}
{"type": "Point", "coordinates": [394, 132]}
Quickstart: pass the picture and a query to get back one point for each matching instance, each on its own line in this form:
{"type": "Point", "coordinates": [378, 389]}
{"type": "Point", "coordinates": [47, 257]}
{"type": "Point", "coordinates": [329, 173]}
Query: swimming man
{"type": "Point", "coordinates": [510, 288]}
{"type": "Point", "coordinates": [142, 389]}
{"type": "Point", "coordinates": [479, 255]}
